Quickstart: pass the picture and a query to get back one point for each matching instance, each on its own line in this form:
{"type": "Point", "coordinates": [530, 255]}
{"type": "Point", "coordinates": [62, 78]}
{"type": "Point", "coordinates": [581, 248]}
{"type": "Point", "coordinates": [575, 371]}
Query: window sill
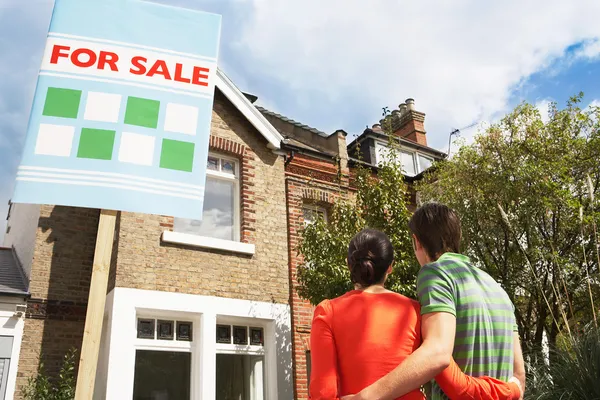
{"type": "Point", "coordinates": [208, 242]}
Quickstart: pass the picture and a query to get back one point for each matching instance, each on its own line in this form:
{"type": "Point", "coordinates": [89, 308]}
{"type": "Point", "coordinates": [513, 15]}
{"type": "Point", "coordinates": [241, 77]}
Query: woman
{"type": "Point", "coordinates": [359, 337]}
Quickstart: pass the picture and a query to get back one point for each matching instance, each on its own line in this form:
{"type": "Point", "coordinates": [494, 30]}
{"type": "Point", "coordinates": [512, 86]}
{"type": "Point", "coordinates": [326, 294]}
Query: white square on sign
{"type": "Point", "coordinates": [136, 148]}
{"type": "Point", "coordinates": [181, 119]}
{"type": "Point", "coordinates": [55, 140]}
{"type": "Point", "coordinates": [102, 107]}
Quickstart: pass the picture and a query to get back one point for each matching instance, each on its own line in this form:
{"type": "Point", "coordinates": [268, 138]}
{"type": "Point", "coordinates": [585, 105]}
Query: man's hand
{"type": "Point", "coordinates": [518, 383]}
{"type": "Point", "coordinates": [519, 363]}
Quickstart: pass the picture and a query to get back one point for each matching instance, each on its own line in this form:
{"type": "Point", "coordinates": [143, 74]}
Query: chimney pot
{"type": "Point", "coordinates": [410, 104]}
{"type": "Point", "coordinates": [402, 108]}
{"type": "Point", "coordinates": [376, 127]}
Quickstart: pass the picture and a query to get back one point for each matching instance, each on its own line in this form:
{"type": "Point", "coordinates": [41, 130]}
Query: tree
{"type": "Point", "coordinates": [545, 248]}
{"type": "Point", "coordinates": [380, 203]}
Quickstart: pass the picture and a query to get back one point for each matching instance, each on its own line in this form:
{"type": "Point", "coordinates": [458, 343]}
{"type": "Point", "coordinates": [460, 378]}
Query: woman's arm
{"type": "Point", "coordinates": [324, 375]}
{"type": "Point", "coordinates": [459, 386]}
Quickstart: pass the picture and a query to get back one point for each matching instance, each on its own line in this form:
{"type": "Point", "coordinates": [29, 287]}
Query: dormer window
{"type": "Point", "coordinates": [413, 162]}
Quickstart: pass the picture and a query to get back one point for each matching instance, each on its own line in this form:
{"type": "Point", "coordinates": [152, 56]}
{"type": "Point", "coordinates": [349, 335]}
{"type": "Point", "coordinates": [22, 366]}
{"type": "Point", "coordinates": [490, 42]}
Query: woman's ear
{"type": "Point", "coordinates": [389, 270]}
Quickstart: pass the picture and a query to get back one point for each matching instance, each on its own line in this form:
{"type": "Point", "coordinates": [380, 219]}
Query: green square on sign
{"type": "Point", "coordinates": [177, 155]}
{"type": "Point", "coordinates": [62, 102]}
{"type": "Point", "coordinates": [96, 143]}
{"type": "Point", "coordinates": [142, 112]}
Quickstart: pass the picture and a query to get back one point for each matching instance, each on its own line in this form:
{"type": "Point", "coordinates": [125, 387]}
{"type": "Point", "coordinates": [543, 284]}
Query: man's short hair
{"type": "Point", "coordinates": [437, 227]}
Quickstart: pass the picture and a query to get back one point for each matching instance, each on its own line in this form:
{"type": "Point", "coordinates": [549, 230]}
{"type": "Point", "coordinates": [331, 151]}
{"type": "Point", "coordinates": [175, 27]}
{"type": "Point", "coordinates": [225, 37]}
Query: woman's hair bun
{"type": "Point", "coordinates": [370, 254]}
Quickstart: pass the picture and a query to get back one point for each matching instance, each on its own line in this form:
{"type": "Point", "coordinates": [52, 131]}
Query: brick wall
{"type": "Point", "coordinates": [60, 279]}
{"type": "Point", "coordinates": [146, 263]}
{"type": "Point", "coordinates": [65, 243]}
{"type": "Point", "coordinates": [309, 181]}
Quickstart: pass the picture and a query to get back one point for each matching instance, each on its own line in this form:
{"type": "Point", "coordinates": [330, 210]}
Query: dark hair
{"type": "Point", "coordinates": [370, 254]}
{"type": "Point", "coordinates": [437, 227]}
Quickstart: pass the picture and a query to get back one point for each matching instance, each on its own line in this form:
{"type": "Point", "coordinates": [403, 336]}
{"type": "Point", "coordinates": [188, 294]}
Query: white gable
{"type": "Point", "coordinates": [228, 88]}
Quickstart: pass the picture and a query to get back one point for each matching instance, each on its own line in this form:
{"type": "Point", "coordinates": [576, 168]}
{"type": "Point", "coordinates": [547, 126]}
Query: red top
{"type": "Point", "coordinates": [360, 337]}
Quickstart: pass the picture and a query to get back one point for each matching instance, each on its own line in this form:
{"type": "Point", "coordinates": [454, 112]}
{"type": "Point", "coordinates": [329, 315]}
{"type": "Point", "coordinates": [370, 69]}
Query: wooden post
{"type": "Point", "coordinates": [90, 347]}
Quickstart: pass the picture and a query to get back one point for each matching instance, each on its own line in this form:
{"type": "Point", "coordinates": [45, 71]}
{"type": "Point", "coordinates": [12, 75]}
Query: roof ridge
{"type": "Point", "coordinates": [291, 121]}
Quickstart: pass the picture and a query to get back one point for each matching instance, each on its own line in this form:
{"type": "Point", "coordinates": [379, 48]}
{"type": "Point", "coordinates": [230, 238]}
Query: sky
{"type": "Point", "coordinates": [335, 64]}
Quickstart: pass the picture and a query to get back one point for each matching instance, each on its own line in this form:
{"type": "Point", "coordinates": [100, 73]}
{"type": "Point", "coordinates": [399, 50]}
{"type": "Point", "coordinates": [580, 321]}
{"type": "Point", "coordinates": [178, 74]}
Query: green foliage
{"type": "Point", "coordinates": [41, 387]}
{"type": "Point", "coordinates": [537, 172]}
{"type": "Point", "coordinates": [573, 374]}
{"type": "Point", "coordinates": [380, 203]}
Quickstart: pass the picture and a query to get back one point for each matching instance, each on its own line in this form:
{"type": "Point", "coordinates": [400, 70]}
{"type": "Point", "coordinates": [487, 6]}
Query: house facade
{"type": "Point", "coordinates": [195, 309]}
{"type": "Point", "coordinates": [318, 169]}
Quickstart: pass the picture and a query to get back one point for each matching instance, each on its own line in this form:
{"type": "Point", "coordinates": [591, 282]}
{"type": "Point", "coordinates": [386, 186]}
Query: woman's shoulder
{"type": "Point", "coordinates": [405, 300]}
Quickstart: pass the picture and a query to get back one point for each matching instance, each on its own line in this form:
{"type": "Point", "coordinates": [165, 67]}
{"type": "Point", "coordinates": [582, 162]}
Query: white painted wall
{"type": "Point", "coordinates": [116, 373]}
{"type": "Point", "coordinates": [22, 225]}
{"type": "Point", "coordinates": [11, 325]}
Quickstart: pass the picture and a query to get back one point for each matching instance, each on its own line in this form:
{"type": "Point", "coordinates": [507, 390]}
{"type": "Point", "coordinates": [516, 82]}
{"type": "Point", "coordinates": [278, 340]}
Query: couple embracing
{"type": "Point", "coordinates": [375, 344]}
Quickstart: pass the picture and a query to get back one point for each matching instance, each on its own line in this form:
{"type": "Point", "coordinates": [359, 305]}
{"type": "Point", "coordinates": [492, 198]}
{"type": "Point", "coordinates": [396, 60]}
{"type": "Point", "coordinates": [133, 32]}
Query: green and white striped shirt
{"type": "Point", "coordinates": [485, 318]}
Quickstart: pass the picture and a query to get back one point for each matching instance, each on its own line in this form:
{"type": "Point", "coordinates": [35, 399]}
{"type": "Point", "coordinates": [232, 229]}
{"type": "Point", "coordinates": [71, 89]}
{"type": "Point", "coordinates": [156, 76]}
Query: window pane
{"type": "Point", "coordinates": [212, 164]}
{"type": "Point", "coordinates": [310, 215]}
{"type": "Point", "coordinates": [228, 167]}
{"type": "Point", "coordinates": [408, 163]}
{"type": "Point", "coordinates": [162, 375]}
{"type": "Point", "coordinates": [217, 217]}
{"type": "Point", "coordinates": [240, 377]}
{"type": "Point", "coordinates": [425, 162]}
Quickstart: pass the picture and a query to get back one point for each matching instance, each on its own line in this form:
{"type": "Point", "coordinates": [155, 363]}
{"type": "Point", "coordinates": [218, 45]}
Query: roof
{"type": "Point", "coordinates": [293, 143]}
{"type": "Point", "coordinates": [291, 121]}
{"type": "Point", "coordinates": [252, 114]}
{"type": "Point", "coordinates": [12, 279]}
{"type": "Point", "coordinates": [407, 178]}
{"type": "Point", "coordinates": [411, 143]}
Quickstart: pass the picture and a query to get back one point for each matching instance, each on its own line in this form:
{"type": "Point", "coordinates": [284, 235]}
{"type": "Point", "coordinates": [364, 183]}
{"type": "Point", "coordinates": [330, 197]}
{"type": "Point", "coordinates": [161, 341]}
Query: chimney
{"type": "Point", "coordinates": [408, 123]}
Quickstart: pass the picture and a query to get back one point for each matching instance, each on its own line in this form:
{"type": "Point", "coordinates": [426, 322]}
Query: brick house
{"type": "Point", "coordinates": [209, 308]}
{"type": "Point", "coordinates": [317, 170]}
{"type": "Point", "coordinates": [194, 309]}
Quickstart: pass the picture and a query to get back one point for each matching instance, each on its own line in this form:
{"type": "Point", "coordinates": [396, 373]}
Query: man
{"type": "Point", "coordinates": [465, 314]}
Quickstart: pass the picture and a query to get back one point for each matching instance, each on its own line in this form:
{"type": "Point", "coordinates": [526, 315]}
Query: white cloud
{"type": "Point", "coordinates": [460, 60]}
{"type": "Point", "coordinates": [594, 103]}
{"type": "Point", "coordinates": [590, 49]}
{"type": "Point", "coordinates": [544, 107]}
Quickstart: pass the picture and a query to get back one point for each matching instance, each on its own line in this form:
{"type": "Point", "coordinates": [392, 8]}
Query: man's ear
{"type": "Point", "coordinates": [416, 243]}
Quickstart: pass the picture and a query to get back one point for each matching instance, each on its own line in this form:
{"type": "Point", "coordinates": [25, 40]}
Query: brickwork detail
{"type": "Point", "coordinates": [247, 175]}
{"type": "Point", "coordinates": [302, 189]}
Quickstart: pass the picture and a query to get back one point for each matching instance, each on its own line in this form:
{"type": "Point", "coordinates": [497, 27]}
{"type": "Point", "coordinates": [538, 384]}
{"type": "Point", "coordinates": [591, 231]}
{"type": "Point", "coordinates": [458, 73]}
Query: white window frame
{"type": "Point", "coordinates": [208, 242]}
{"type": "Point", "coordinates": [235, 178]}
{"type": "Point", "coordinates": [317, 209]}
{"type": "Point", "coordinates": [172, 345]}
{"type": "Point", "coordinates": [12, 324]}
{"type": "Point", "coordinates": [413, 154]}
{"type": "Point", "coordinates": [419, 155]}
{"type": "Point", "coordinates": [251, 350]}
{"type": "Point", "coordinates": [115, 378]}
{"type": "Point", "coordinates": [379, 147]}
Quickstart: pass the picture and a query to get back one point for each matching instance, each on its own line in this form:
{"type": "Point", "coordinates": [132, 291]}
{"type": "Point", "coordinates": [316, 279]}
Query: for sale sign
{"type": "Point", "coordinates": [122, 109]}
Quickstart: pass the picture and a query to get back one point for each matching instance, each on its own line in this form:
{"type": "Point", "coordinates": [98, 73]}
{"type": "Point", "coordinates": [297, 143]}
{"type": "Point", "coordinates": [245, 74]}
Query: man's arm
{"type": "Point", "coordinates": [434, 355]}
{"type": "Point", "coordinates": [519, 363]}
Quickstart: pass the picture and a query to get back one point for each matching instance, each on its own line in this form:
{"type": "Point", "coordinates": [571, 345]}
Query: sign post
{"type": "Point", "coordinates": [120, 121]}
{"type": "Point", "coordinates": [95, 309]}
